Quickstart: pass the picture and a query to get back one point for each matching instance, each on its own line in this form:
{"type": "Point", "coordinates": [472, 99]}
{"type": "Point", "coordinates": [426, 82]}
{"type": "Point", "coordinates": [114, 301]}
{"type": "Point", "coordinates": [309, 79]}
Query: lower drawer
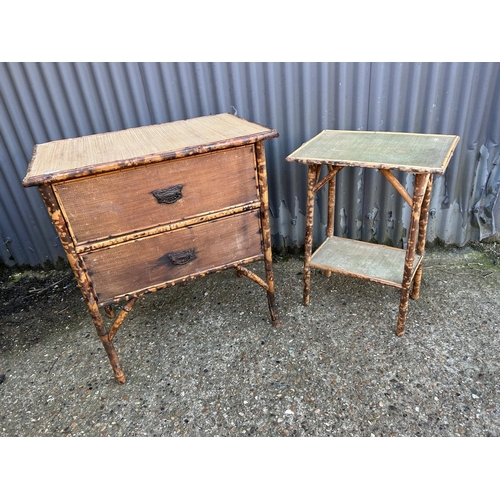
{"type": "Point", "coordinates": [150, 262]}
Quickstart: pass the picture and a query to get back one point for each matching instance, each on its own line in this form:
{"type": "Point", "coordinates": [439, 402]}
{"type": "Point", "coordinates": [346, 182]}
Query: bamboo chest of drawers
{"type": "Point", "coordinates": [143, 209]}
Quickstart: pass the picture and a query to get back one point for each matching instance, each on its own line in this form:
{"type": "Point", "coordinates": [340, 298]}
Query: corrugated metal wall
{"type": "Point", "coordinates": [40, 102]}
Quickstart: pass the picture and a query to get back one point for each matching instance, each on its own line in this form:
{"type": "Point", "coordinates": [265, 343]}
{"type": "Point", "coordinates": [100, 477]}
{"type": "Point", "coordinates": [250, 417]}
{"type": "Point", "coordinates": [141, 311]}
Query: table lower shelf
{"type": "Point", "coordinates": [364, 260]}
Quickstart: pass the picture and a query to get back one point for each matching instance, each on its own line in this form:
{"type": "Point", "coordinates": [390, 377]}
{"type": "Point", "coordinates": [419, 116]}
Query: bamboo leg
{"type": "Point", "coordinates": [266, 231]}
{"type": "Point", "coordinates": [332, 184]}
{"type": "Point", "coordinates": [106, 341]}
{"type": "Point", "coordinates": [422, 232]}
{"type": "Point", "coordinates": [418, 196]}
{"type": "Point", "coordinates": [311, 181]}
{"type": "Point", "coordinates": [318, 175]}
{"type": "Point", "coordinates": [81, 277]}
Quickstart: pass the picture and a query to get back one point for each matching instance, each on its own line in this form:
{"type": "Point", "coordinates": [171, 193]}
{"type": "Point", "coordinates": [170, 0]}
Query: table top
{"type": "Point", "coordinates": [417, 153]}
{"type": "Point", "coordinates": [71, 158]}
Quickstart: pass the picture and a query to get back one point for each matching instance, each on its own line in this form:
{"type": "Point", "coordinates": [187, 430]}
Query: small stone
{"type": "Point", "coordinates": [289, 412]}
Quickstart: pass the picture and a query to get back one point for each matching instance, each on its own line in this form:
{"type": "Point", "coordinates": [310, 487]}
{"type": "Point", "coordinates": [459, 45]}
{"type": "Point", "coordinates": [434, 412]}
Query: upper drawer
{"type": "Point", "coordinates": [136, 199]}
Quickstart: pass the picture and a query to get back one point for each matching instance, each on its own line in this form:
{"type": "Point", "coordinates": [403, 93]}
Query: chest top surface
{"type": "Point", "coordinates": [72, 158]}
{"type": "Point", "coordinates": [418, 153]}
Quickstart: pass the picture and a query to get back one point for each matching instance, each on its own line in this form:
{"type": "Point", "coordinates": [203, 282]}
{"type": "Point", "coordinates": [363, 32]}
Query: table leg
{"type": "Point", "coordinates": [332, 184]}
{"type": "Point", "coordinates": [105, 339]}
{"type": "Point", "coordinates": [311, 181]}
{"type": "Point", "coordinates": [266, 231]}
{"type": "Point", "coordinates": [422, 232]}
{"type": "Point", "coordinates": [81, 277]}
{"type": "Point", "coordinates": [421, 181]}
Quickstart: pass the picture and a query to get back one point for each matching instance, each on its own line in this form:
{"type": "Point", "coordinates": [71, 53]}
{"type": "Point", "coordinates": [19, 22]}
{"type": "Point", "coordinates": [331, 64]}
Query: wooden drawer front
{"type": "Point", "coordinates": [148, 262]}
{"type": "Point", "coordinates": [140, 198]}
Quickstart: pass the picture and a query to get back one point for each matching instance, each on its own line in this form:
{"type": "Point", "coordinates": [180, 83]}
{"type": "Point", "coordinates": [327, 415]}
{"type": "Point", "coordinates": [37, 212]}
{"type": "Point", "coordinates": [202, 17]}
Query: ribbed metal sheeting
{"type": "Point", "coordinates": [41, 102]}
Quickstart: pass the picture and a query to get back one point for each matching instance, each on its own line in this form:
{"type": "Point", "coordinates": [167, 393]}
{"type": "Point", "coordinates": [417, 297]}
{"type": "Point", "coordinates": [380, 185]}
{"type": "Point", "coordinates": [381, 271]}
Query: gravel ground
{"type": "Point", "coordinates": [203, 359]}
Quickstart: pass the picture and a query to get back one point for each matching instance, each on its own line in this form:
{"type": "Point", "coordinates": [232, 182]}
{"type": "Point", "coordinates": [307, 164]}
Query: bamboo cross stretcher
{"type": "Point", "coordinates": [420, 154]}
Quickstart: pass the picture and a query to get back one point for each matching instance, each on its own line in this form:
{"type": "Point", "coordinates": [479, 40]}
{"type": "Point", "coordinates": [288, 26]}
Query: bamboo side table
{"type": "Point", "coordinates": [420, 154]}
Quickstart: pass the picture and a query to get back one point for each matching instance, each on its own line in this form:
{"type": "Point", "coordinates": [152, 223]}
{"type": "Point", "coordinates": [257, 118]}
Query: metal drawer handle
{"type": "Point", "coordinates": [168, 195]}
{"type": "Point", "coordinates": [182, 257]}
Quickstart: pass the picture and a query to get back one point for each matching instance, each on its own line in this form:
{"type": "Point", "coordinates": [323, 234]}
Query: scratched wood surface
{"type": "Point", "coordinates": [364, 260]}
{"type": "Point", "coordinates": [85, 155]}
{"type": "Point", "coordinates": [418, 153]}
